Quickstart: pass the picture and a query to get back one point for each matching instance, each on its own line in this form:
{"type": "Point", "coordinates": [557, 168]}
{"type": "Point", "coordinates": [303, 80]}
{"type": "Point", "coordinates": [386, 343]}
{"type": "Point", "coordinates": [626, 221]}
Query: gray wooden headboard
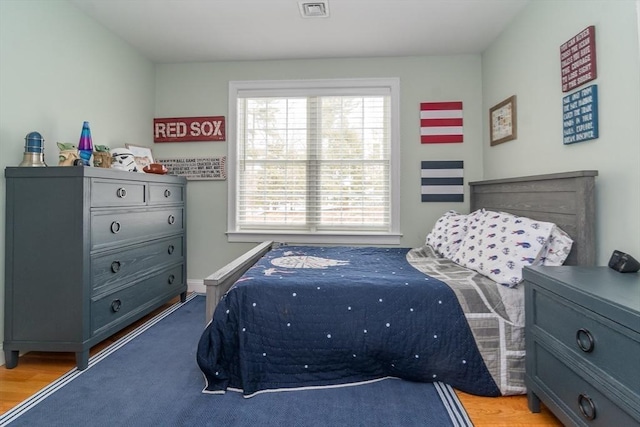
{"type": "Point", "coordinates": [566, 199]}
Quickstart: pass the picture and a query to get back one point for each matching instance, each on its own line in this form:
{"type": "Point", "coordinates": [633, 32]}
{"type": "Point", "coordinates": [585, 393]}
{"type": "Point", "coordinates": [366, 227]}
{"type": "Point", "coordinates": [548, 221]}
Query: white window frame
{"type": "Point", "coordinates": [293, 87]}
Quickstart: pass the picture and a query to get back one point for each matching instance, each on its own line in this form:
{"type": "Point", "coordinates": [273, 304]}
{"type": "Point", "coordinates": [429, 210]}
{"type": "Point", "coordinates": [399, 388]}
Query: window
{"type": "Point", "coordinates": [314, 161]}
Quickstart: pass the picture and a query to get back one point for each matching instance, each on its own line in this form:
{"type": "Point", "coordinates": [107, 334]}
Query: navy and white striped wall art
{"type": "Point", "coordinates": [442, 181]}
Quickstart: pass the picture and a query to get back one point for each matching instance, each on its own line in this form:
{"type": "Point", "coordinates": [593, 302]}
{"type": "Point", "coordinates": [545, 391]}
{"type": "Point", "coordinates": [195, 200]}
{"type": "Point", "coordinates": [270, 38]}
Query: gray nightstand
{"type": "Point", "coordinates": [583, 344]}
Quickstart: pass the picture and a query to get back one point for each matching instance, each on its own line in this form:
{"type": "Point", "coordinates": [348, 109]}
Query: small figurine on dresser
{"type": "Point", "coordinates": [68, 154]}
{"type": "Point", "coordinates": [123, 159]}
{"type": "Point", "coordinates": [101, 156]}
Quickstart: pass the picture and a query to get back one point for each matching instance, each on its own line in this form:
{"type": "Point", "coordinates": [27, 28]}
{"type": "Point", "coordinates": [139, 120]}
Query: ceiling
{"type": "Point", "coordinates": [170, 31]}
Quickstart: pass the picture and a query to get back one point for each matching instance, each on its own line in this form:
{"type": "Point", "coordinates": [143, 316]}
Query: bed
{"type": "Point", "coordinates": [290, 317]}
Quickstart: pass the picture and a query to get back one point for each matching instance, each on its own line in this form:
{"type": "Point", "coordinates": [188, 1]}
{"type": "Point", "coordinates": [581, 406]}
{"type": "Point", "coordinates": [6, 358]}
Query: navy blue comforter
{"type": "Point", "coordinates": [326, 316]}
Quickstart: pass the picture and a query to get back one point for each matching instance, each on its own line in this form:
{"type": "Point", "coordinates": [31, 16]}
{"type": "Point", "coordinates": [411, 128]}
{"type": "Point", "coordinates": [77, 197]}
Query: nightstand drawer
{"type": "Point", "coordinates": [111, 193]}
{"type": "Point", "coordinates": [610, 347]}
{"type": "Point", "coordinates": [115, 268]}
{"type": "Point", "coordinates": [578, 398]}
{"type": "Point", "coordinates": [160, 194]}
{"type": "Point", "coordinates": [125, 303]}
{"type": "Point", "coordinates": [127, 226]}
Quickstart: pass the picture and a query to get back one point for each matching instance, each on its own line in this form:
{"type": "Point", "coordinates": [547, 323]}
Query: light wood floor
{"type": "Point", "coordinates": [36, 370]}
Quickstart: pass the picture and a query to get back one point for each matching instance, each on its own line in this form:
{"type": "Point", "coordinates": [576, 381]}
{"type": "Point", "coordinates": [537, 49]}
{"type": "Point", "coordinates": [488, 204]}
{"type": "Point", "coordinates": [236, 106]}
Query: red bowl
{"type": "Point", "coordinates": [157, 168]}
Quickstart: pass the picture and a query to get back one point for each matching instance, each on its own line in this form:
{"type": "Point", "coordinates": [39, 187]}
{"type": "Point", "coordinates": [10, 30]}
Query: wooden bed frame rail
{"type": "Point", "coordinates": [219, 282]}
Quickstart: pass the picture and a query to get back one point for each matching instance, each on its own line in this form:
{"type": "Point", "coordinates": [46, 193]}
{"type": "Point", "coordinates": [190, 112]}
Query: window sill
{"type": "Point", "coordinates": [317, 238]}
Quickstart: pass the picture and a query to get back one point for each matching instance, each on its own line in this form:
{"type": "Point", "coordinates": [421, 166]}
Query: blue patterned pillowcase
{"type": "Point", "coordinates": [498, 245]}
{"type": "Point", "coordinates": [557, 248]}
{"type": "Point", "coordinates": [449, 231]}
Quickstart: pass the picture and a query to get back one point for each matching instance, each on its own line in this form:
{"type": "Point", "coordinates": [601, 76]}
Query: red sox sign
{"type": "Point", "coordinates": [188, 129]}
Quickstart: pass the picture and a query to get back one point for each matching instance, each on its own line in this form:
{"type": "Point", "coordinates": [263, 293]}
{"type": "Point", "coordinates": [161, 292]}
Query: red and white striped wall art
{"type": "Point", "coordinates": [441, 122]}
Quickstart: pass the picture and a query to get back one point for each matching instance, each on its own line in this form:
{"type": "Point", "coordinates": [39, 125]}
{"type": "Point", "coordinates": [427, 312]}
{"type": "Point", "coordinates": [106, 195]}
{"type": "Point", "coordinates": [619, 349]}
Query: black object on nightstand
{"type": "Point", "coordinates": [623, 263]}
{"type": "Point", "coordinates": [583, 344]}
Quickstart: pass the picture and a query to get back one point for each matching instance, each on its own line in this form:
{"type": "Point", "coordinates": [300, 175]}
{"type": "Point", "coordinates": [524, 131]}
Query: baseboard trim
{"type": "Point", "coordinates": [196, 285]}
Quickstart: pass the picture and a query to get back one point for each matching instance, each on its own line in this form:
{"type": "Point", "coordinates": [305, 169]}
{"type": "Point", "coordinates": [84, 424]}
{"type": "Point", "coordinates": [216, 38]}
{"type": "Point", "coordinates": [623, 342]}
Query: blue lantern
{"type": "Point", "coordinates": [33, 150]}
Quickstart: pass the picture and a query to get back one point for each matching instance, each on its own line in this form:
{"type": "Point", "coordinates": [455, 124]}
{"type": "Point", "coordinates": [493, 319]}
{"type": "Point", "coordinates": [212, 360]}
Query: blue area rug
{"type": "Point", "coordinates": [150, 378]}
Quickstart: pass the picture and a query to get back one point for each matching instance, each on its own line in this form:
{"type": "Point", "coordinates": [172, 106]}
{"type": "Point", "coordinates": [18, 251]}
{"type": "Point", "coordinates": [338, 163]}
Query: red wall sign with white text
{"type": "Point", "coordinates": [189, 129]}
{"type": "Point", "coordinates": [578, 59]}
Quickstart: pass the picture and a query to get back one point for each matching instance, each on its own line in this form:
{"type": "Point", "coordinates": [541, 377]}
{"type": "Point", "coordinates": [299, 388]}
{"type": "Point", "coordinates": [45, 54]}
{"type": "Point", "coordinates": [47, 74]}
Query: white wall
{"type": "Point", "coordinates": [525, 61]}
{"type": "Point", "coordinates": [58, 68]}
{"type": "Point", "coordinates": [202, 89]}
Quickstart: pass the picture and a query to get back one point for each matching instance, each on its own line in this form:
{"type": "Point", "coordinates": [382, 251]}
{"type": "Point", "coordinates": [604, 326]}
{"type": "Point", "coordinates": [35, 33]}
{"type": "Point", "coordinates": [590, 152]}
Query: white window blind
{"type": "Point", "coordinates": [314, 158]}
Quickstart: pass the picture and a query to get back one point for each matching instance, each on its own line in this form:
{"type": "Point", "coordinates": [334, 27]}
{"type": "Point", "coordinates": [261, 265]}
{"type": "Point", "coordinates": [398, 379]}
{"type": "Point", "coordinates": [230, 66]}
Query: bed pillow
{"type": "Point", "coordinates": [498, 245]}
{"type": "Point", "coordinates": [557, 249]}
{"type": "Point", "coordinates": [447, 233]}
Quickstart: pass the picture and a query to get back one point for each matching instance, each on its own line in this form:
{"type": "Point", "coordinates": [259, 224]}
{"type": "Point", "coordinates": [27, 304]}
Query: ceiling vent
{"type": "Point", "coordinates": [314, 9]}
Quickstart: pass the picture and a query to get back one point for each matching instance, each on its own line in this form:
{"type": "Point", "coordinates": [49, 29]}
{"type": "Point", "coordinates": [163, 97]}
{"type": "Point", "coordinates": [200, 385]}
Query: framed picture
{"type": "Point", "coordinates": [143, 155]}
{"type": "Point", "coordinates": [503, 123]}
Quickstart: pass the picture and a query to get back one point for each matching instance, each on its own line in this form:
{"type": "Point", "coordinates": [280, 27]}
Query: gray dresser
{"type": "Point", "coordinates": [88, 252]}
{"type": "Point", "coordinates": [583, 344]}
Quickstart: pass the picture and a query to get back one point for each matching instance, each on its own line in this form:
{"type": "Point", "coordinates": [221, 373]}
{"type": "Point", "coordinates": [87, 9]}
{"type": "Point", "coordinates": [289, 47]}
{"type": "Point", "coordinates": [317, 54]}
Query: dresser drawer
{"type": "Point", "coordinates": [112, 193]}
{"type": "Point", "coordinates": [119, 227]}
{"type": "Point", "coordinates": [578, 398]}
{"type": "Point", "coordinates": [590, 337]}
{"type": "Point", "coordinates": [125, 303]}
{"type": "Point", "coordinates": [165, 193]}
{"type": "Point", "coordinates": [115, 268]}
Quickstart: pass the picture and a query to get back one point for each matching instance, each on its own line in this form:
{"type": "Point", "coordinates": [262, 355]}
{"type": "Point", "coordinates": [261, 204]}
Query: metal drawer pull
{"type": "Point", "coordinates": [115, 227]}
{"type": "Point", "coordinates": [171, 279]}
{"type": "Point", "coordinates": [167, 193]}
{"type": "Point", "coordinates": [121, 192]}
{"type": "Point", "coordinates": [589, 410]}
{"type": "Point", "coordinates": [172, 219]}
{"type": "Point", "coordinates": [115, 266]}
{"type": "Point", "coordinates": [585, 340]}
{"type": "Point", "coordinates": [115, 305]}
{"type": "Point", "coordinates": [171, 249]}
